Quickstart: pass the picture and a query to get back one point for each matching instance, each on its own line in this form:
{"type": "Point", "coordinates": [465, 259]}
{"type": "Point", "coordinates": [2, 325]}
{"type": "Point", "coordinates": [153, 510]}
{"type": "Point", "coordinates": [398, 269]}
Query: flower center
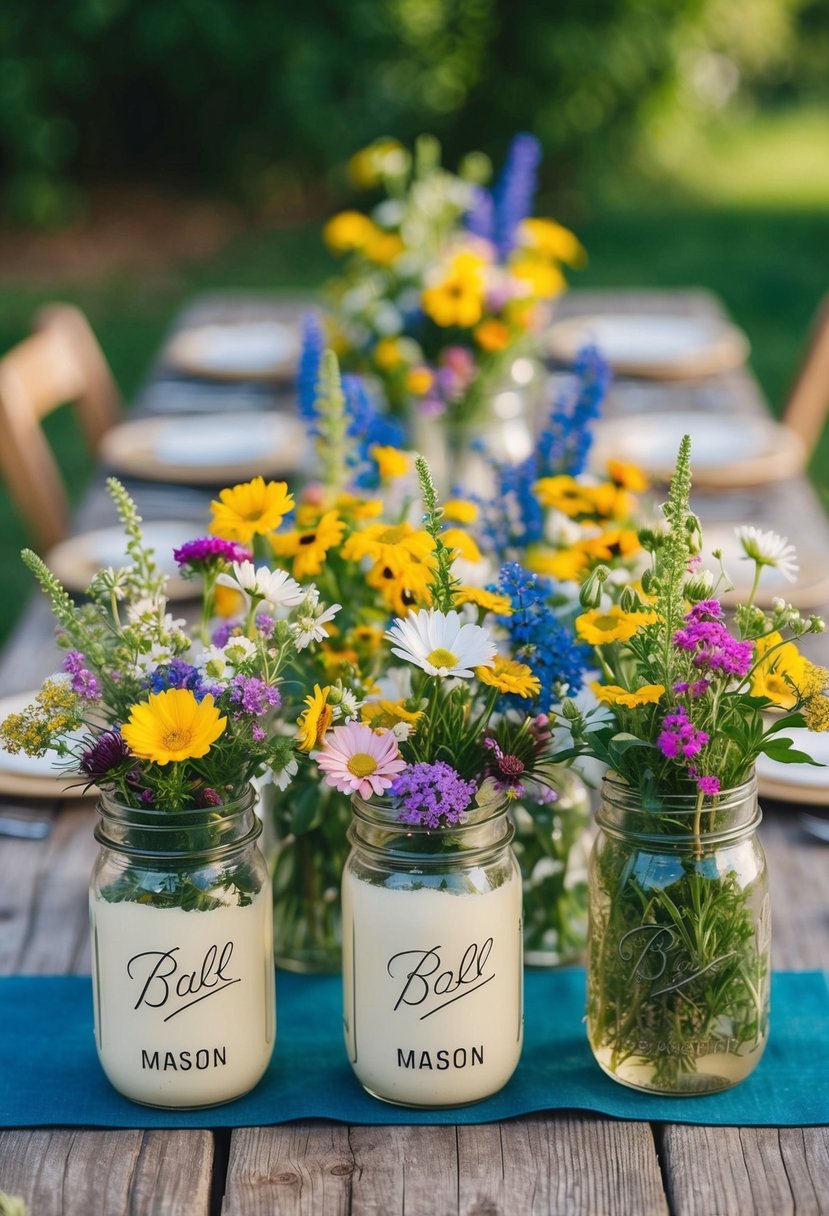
{"type": "Point", "coordinates": [441, 658]}
{"type": "Point", "coordinates": [606, 623]}
{"type": "Point", "coordinates": [308, 538]}
{"type": "Point", "coordinates": [361, 764]}
{"type": "Point", "coordinates": [511, 766]}
{"type": "Point", "coordinates": [175, 740]}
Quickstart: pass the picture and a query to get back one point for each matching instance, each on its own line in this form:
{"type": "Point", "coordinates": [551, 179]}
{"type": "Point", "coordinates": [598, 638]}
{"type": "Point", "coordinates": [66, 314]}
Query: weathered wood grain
{"type": "Point", "coordinates": [730, 1171]}
{"type": "Point", "coordinates": [797, 878]}
{"type": "Point", "coordinates": [304, 1169]}
{"type": "Point", "coordinates": [580, 1165]}
{"type": "Point", "coordinates": [108, 1173]}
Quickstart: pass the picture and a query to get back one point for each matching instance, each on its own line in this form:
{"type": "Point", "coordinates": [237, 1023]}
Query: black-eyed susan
{"type": "Point", "coordinates": [614, 543]}
{"type": "Point", "coordinates": [600, 626]}
{"type": "Point", "coordinates": [509, 676]}
{"type": "Point", "coordinates": [458, 298]}
{"type": "Point", "coordinates": [489, 601]}
{"type": "Point", "coordinates": [252, 508]}
{"type": "Point", "coordinates": [309, 547]}
{"type": "Point", "coordinates": [314, 721]}
{"type": "Point", "coordinates": [404, 585]}
{"type": "Point", "coordinates": [614, 694]}
{"type": "Point", "coordinates": [173, 725]}
{"type": "Point", "coordinates": [393, 545]}
{"type": "Point", "coordinates": [563, 493]}
{"type": "Point", "coordinates": [627, 476]}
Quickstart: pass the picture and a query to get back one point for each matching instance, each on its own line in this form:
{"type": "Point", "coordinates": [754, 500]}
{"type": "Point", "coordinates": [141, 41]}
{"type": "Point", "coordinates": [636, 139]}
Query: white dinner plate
{"type": "Point", "coordinates": [726, 451]}
{"type": "Point", "coordinates": [207, 449]}
{"type": "Point", "coordinates": [35, 776]}
{"type": "Point", "coordinates": [801, 783]}
{"type": "Point", "coordinates": [242, 350]}
{"type": "Point", "coordinates": [809, 590]}
{"type": "Point", "coordinates": [663, 347]}
{"type": "Point", "coordinates": [76, 560]}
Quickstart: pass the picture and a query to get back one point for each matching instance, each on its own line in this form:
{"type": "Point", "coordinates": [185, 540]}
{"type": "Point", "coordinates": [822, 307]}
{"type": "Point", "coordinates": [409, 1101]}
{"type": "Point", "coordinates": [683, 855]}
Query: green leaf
{"type": "Point", "coordinates": [783, 751]}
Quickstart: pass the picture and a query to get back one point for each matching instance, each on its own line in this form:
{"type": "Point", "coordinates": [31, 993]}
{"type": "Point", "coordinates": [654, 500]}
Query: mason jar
{"type": "Point", "coordinates": [432, 958]}
{"type": "Point", "coordinates": [182, 952]}
{"type": "Point", "coordinates": [678, 939]}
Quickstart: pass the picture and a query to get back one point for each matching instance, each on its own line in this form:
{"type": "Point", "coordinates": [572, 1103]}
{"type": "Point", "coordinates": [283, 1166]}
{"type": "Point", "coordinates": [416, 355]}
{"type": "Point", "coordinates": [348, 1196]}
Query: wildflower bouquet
{"type": "Point", "coordinates": [678, 977]}
{"type": "Point", "coordinates": [152, 714]}
{"type": "Point", "coordinates": [445, 281]}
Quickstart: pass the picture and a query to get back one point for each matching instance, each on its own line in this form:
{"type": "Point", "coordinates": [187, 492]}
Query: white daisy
{"type": "Point", "coordinates": [310, 623]}
{"type": "Point", "coordinates": [260, 583]}
{"type": "Point", "coordinates": [283, 778]}
{"type": "Point", "coordinates": [441, 644]}
{"type": "Point", "coordinates": [769, 549]}
{"type": "Point", "coordinates": [239, 649]}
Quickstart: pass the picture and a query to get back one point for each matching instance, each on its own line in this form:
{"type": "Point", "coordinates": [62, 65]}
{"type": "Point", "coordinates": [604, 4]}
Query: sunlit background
{"type": "Point", "coordinates": [152, 149]}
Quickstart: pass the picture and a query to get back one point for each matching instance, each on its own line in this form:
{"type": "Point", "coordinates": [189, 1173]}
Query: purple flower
{"type": "Point", "coordinates": [679, 738]}
{"type": "Point", "coordinates": [206, 551]}
{"type": "Point", "coordinates": [147, 797]}
{"type": "Point", "coordinates": [177, 674]}
{"type": "Point", "coordinates": [709, 785]}
{"type": "Point", "coordinates": [252, 695]}
{"type": "Point", "coordinates": [514, 191]}
{"type": "Point", "coordinates": [506, 768]}
{"type": "Point", "coordinates": [221, 634]}
{"type": "Point", "coordinates": [107, 753]}
{"type": "Point", "coordinates": [257, 733]}
{"type": "Point", "coordinates": [210, 797]}
{"type": "Point", "coordinates": [705, 610]}
{"type": "Point", "coordinates": [84, 683]}
{"type": "Point", "coordinates": [713, 647]}
{"type": "Point", "coordinates": [434, 795]}
{"type": "Point", "coordinates": [265, 624]}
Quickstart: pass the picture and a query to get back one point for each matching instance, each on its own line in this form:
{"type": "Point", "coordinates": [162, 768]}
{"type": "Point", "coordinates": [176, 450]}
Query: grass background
{"type": "Point", "coordinates": [747, 217]}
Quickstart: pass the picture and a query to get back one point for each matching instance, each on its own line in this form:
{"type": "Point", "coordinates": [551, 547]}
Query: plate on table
{"type": "Point", "coordinates": [727, 451]}
{"type": "Point", "coordinates": [801, 783]}
{"type": "Point", "coordinates": [206, 450]}
{"type": "Point", "coordinates": [76, 560]}
{"type": "Point", "coordinates": [646, 344]}
{"type": "Point", "coordinates": [242, 350]}
{"type": "Point", "coordinates": [35, 776]}
{"type": "Point", "coordinates": [810, 589]}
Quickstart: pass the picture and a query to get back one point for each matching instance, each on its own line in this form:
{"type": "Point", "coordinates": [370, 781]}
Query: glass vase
{"type": "Point", "coordinates": [307, 827]}
{"type": "Point", "coordinates": [553, 835]}
{"type": "Point", "coordinates": [432, 966]}
{"type": "Point", "coordinates": [679, 937]}
{"type": "Point", "coordinates": [182, 953]}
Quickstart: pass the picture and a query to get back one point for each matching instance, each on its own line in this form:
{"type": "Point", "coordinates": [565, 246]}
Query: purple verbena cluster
{"type": "Point", "coordinates": [679, 738]}
{"type": "Point", "coordinates": [252, 695]}
{"type": "Point", "coordinates": [206, 551]}
{"type": "Point", "coordinates": [433, 795]}
{"type": "Point", "coordinates": [714, 649]}
{"type": "Point", "coordinates": [84, 683]}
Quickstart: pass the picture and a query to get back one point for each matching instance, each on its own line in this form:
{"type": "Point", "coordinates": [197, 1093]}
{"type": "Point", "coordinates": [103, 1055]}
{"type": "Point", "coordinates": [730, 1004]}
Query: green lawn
{"type": "Point", "coordinates": [767, 265]}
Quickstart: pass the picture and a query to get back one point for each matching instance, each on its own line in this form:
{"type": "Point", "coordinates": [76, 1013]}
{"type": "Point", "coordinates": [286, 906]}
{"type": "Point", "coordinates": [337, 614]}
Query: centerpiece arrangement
{"type": "Point", "coordinates": [678, 977]}
{"type": "Point", "coordinates": [444, 283]}
{"type": "Point", "coordinates": [172, 730]}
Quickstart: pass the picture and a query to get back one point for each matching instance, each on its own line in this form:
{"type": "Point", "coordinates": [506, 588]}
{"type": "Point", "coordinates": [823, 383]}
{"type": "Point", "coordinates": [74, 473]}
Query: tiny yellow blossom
{"type": "Point", "coordinates": [387, 354]}
{"type": "Point", "coordinates": [614, 694]}
{"type": "Point", "coordinates": [419, 380]}
{"type": "Point", "coordinates": [348, 230]}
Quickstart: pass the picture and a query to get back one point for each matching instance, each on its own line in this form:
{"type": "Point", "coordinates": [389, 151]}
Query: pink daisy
{"type": "Point", "coordinates": [358, 759]}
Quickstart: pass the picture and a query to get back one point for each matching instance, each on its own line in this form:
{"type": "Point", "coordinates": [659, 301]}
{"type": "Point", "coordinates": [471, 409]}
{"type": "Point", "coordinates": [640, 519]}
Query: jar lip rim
{"type": "Point", "coordinates": [618, 788]}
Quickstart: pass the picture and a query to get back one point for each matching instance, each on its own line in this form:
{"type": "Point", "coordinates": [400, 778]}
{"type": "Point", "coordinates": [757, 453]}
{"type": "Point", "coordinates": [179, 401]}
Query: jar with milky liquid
{"type": "Point", "coordinates": [182, 950]}
{"type": "Point", "coordinates": [432, 956]}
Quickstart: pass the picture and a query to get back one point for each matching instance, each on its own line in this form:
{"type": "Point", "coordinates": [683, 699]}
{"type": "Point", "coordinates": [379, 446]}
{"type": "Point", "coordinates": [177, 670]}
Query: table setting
{"type": "Point", "coordinates": [448, 634]}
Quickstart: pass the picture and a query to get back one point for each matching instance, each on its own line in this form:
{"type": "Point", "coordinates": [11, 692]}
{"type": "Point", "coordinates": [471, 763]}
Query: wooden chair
{"type": "Point", "coordinates": [808, 402]}
{"type": "Point", "coordinates": [61, 362]}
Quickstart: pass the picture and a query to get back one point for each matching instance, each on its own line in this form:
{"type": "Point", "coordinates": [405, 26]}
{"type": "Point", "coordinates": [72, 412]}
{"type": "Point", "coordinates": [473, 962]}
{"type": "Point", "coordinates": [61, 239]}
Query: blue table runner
{"type": "Point", "coordinates": [50, 1076]}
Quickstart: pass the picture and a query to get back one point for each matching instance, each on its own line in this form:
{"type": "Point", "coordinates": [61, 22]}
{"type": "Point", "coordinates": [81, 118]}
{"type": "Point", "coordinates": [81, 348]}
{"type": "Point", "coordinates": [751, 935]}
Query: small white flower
{"type": "Point", "coordinates": [441, 644]}
{"type": "Point", "coordinates": [285, 776]}
{"type": "Point", "coordinates": [349, 705]}
{"type": "Point", "coordinates": [214, 663]}
{"type": "Point", "coordinates": [238, 650]}
{"type": "Point", "coordinates": [769, 549]}
{"type": "Point", "coordinates": [260, 583]}
{"type": "Point", "coordinates": [310, 623]}
{"type": "Point", "coordinates": [395, 684]}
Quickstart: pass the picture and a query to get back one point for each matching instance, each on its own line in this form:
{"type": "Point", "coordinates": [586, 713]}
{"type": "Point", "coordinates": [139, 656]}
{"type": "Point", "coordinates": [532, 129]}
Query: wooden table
{"type": "Point", "coordinates": [562, 1163]}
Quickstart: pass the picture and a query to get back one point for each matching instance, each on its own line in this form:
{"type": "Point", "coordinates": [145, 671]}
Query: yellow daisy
{"type": "Point", "coordinates": [552, 240]}
{"type": "Point", "coordinates": [488, 600]}
{"type": "Point", "coordinates": [508, 676]}
{"type": "Point", "coordinates": [615, 543]}
{"type": "Point", "coordinates": [563, 493]}
{"type": "Point", "coordinates": [309, 548]}
{"type": "Point", "coordinates": [383, 248]}
{"type": "Point", "coordinates": [774, 671]}
{"type": "Point", "coordinates": [462, 544]}
{"type": "Point", "coordinates": [359, 508]}
{"type": "Point", "coordinates": [543, 278]}
{"type": "Point", "coordinates": [492, 335]}
{"type": "Point", "coordinates": [614, 694]}
{"type": "Point", "coordinates": [314, 721]}
{"type": "Point", "coordinates": [567, 565]}
{"type": "Point", "coordinates": [391, 462]}
{"type": "Point", "coordinates": [393, 545]}
{"type": "Point", "coordinates": [627, 476]}
{"type": "Point", "coordinates": [419, 380]}
{"type": "Point", "coordinates": [600, 626]}
{"type": "Point", "coordinates": [460, 510]}
{"type": "Point", "coordinates": [459, 298]}
{"type": "Point", "coordinates": [387, 354]}
{"type": "Point", "coordinates": [252, 508]}
{"type": "Point", "coordinates": [348, 230]}
{"type": "Point", "coordinates": [173, 725]}
{"type": "Point", "coordinates": [388, 714]}
{"type": "Point", "coordinates": [403, 586]}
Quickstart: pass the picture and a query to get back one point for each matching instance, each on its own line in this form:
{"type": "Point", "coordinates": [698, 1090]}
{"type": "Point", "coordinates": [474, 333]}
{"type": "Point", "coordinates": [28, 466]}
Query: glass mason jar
{"type": "Point", "coordinates": [307, 831]}
{"type": "Point", "coordinates": [553, 834]}
{"type": "Point", "coordinates": [679, 936]}
{"type": "Point", "coordinates": [182, 972]}
{"type": "Point", "coordinates": [432, 961]}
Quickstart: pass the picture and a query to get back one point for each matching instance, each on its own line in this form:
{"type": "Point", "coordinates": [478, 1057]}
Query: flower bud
{"type": "Point", "coordinates": [590, 593]}
{"type": "Point", "coordinates": [629, 601]}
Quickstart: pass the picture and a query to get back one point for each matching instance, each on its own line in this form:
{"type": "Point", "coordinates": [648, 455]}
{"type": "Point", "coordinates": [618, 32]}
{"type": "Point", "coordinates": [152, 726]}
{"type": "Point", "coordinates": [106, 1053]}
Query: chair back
{"type": "Point", "coordinates": [808, 402]}
{"type": "Point", "coordinates": [60, 363]}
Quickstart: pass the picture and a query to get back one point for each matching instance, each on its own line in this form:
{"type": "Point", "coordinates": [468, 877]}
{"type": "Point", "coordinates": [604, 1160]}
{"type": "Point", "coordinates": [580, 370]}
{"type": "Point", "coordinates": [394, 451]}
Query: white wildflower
{"type": "Point", "coordinates": [769, 549]}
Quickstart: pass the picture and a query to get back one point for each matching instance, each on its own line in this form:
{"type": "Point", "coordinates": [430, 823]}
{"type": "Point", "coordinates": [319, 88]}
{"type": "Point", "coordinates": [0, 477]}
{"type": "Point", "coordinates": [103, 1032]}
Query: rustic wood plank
{"type": "Point", "coordinates": [565, 1163]}
{"type": "Point", "coordinates": [732, 1170]}
{"type": "Point", "coordinates": [304, 1169]}
{"type": "Point", "coordinates": [108, 1173]}
{"type": "Point", "coordinates": [797, 873]}
{"type": "Point", "coordinates": [411, 1170]}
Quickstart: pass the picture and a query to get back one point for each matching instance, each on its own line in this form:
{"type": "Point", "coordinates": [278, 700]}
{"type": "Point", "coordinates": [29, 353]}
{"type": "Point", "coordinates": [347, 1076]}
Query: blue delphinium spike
{"type": "Point", "coordinates": [514, 191]}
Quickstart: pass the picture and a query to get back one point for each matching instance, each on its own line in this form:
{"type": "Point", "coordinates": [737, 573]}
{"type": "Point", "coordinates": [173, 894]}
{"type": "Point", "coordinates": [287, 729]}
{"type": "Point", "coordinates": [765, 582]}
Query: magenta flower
{"type": "Point", "coordinates": [207, 551]}
{"type": "Point", "coordinates": [679, 738]}
{"type": "Point", "coordinates": [433, 795]}
{"type": "Point", "coordinates": [709, 785]}
{"type": "Point", "coordinates": [84, 683]}
{"type": "Point", "coordinates": [107, 753]}
{"type": "Point", "coordinates": [357, 759]}
{"type": "Point", "coordinates": [506, 768]}
{"type": "Point", "coordinates": [713, 647]}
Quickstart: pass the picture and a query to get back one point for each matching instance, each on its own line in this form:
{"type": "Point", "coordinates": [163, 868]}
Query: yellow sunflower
{"type": "Point", "coordinates": [509, 676]}
{"type": "Point", "coordinates": [173, 725]}
{"type": "Point", "coordinates": [314, 721]}
{"type": "Point", "coordinates": [391, 462]}
{"type": "Point", "coordinates": [388, 714]}
{"type": "Point", "coordinates": [309, 548]}
{"type": "Point", "coordinates": [460, 510]}
{"type": "Point", "coordinates": [627, 476]}
{"type": "Point", "coordinates": [459, 298]}
{"type": "Point", "coordinates": [616, 542]}
{"type": "Point", "coordinates": [611, 501]}
{"type": "Point", "coordinates": [403, 585]}
{"type": "Point", "coordinates": [563, 493]}
{"type": "Point", "coordinates": [394, 545]}
{"type": "Point", "coordinates": [775, 669]}
{"type": "Point", "coordinates": [600, 626]}
{"type": "Point", "coordinates": [552, 240]}
{"type": "Point", "coordinates": [252, 508]}
{"type": "Point", "coordinates": [488, 600]}
{"type": "Point", "coordinates": [462, 544]}
{"type": "Point", "coordinates": [614, 694]}
{"type": "Point", "coordinates": [567, 565]}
